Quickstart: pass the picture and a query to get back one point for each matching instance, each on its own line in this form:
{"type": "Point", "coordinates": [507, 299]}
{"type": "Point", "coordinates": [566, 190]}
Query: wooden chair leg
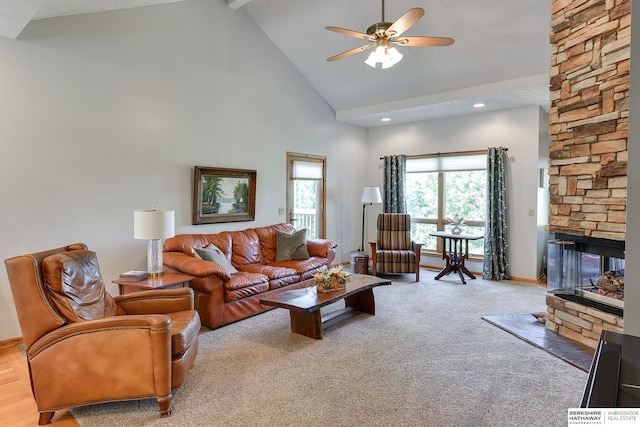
{"type": "Point", "coordinates": [374, 262]}
{"type": "Point", "coordinates": [45, 418]}
{"type": "Point", "coordinates": [417, 249]}
{"type": "Point", "coordinates": [164, 404]}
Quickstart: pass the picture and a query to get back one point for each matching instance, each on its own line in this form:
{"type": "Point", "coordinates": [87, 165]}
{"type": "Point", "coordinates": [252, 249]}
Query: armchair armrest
{"type": "Point", "coordinates": [193, 266]}
{"type": "Point", "coordinates": [156, 301]}
{"type": "Point", "coordinates": [322, 248]}
{"type": "Point", "coordinates": [155, 323]}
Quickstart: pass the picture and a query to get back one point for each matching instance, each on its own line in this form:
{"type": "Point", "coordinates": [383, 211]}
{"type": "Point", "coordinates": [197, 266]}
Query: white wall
{"type": "Point", "coordinates": [102, 114]}
{"type": "Point", "coordinates": [517, 130]}
{"type": "Point", "coordinates": [544, 198]}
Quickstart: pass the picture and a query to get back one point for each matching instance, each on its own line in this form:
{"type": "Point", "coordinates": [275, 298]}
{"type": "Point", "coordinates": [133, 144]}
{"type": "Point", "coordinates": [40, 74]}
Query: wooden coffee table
{"type": "Point", "coordinates": [304, 304]}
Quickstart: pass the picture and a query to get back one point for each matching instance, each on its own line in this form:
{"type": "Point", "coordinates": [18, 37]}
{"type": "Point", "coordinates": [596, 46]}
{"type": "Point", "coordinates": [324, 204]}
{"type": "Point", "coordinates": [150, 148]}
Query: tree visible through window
{"type": "Point", "coordinates": [438, 188]}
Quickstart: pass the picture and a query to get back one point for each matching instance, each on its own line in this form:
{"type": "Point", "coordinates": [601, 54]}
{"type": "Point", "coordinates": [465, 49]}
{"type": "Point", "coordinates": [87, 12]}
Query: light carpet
{"type": "Point", "coordinates": [425, 359]}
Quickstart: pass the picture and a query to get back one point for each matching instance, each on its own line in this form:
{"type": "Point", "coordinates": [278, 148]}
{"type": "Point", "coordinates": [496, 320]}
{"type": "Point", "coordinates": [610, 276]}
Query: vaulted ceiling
{"type": "Point", "coordinates": [500, 56]}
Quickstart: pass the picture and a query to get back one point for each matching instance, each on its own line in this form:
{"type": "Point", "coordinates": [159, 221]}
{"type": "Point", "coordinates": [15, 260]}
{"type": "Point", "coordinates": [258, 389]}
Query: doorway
{"type": "Point", "coordinates": [306, 193]}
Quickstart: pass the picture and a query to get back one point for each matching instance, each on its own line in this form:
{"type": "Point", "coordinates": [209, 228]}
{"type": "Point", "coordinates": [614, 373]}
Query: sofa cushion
{"type": "Point", "coordinates": [244, 279]}
{"type": "Point", "coordinates": [212, 253]}
{"type": "Point", "coordinates": [267, 236]}
{"type": "Point", "coordinates": [244, 285]}
{"type": "Point", "coordinates": [75, 286]}
{"type": "Point", "coordinates": [271, 271]}
{"type": "Point", "coordinates": [291, 246]}
{"type": "Point", "coordinates": [246, 248]}
{"type": "Point", "coordinates": [302, 265]}
{"type": "Point", "coordinates": [186, 242]}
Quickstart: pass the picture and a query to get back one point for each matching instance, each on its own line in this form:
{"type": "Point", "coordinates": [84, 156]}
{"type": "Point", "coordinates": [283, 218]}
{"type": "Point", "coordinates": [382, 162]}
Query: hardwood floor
{"type": "Point", "coordinates": [17, 407]}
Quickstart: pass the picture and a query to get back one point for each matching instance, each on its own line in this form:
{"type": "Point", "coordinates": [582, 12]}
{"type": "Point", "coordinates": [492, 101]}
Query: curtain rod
{"type": "Point", "coordinates": [449, 153]}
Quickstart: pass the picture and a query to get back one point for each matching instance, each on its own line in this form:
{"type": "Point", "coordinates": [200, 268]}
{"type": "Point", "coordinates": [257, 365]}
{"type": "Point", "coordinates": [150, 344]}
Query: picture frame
{"type": "Point", "coordinates": [223, 195]}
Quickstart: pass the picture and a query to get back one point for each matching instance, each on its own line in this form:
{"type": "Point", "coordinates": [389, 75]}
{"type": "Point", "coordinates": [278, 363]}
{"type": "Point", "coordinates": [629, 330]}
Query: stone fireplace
{"type": "Point", "coordinates": [585, 280]}
{"type": "Point", "coordinates": [588, 124]}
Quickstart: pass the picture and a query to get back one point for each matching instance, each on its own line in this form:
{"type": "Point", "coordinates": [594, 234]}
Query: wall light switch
{"type": "Point", "coordinates": [532, 212]}
{"type": "Point", "coordinates": [280, 211]}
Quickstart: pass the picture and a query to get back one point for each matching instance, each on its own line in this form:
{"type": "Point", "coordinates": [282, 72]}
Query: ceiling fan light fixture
{"type": "Point", "coordinates": [392, 57]}
{"type": "Point", "coordinates": [386, 56]}
{"type": "Point", "coordinates": [376, 56]}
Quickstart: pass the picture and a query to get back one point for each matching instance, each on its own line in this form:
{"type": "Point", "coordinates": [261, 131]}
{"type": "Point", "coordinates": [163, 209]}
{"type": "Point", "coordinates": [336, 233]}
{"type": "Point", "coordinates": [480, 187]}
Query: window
{"type": "Point", "coordinates": [305, 193]}
{"type": "Point", "coordinates": [440, 186]}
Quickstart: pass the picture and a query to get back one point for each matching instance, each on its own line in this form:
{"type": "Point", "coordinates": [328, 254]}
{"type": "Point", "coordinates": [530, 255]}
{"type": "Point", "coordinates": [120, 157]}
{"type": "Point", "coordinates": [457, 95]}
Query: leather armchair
{"type": "Point", "coordinates": [393, 251]}
{"type": "Point", "coordinates": [85, 347]}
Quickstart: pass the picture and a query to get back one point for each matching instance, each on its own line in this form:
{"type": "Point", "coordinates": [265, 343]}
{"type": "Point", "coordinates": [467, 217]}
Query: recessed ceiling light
{"type": "Point", "coordinates": [478, 105]}
{"type": "Point", "coordinates": [386, 119]}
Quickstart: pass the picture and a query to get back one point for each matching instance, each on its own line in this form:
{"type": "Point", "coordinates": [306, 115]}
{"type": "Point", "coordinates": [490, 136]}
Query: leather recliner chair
{"type": "Point", "coordinates": [85, 347]}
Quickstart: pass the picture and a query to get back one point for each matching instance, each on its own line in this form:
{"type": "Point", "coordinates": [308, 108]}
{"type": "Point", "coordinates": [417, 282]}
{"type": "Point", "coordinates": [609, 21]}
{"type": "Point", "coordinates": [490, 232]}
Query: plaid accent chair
{"type": "Point", "coordinates": [393, 251]}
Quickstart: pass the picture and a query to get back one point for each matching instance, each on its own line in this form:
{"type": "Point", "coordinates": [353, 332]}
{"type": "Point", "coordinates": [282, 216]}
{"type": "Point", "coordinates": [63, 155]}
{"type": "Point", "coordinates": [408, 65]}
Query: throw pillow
{"type": "Point", "coordinates": [291, 246]}
{"type": "Point", "coordinates": [213, 253]}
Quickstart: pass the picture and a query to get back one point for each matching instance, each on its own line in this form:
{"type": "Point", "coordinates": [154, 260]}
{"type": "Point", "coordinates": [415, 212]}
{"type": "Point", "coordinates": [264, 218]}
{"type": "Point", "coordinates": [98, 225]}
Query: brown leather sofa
{"type": "Point", "coordinates": [85, 347]}
{"type": "Point", "coordinates": [222, 298]}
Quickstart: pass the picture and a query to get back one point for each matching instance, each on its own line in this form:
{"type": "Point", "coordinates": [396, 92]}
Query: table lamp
{"type": "Point", "coordinates": [153, 225]}
{"type": "Point", "coordinates": [370, 195]}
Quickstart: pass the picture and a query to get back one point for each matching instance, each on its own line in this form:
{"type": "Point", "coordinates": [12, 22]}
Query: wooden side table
{"type": "Point", "coordinates": [164, 281]}
{"type": "Point", "coordinates": [455, 249]}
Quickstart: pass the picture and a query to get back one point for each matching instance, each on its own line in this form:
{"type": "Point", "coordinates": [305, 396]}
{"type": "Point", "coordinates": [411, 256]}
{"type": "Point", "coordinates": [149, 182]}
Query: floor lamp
{"type": "Point", "coordinates": [370, 195]}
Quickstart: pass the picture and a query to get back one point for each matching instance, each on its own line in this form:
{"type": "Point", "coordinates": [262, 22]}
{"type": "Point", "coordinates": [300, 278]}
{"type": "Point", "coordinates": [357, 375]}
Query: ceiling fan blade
{"type": "Point", "coordinates": [423, 41]}
{"type": "Point", "coordinates": [349, 52]}
{"type": "Point", "coordinates": [405, 22]}
{"type": "Point", "coordinates": [350, 33]}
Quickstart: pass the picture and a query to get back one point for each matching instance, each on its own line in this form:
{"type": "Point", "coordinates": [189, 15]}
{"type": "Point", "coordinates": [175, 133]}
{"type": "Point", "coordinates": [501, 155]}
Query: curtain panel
{"type": "Point", "coordinates": [395, 168]}
{"type": "Point", "coordinates": [496, 241]}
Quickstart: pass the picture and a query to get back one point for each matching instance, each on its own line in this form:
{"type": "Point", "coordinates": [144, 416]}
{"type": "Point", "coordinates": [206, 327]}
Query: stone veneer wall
{"type": "Point", "coordinates": [578, 322]}
{"type": "Point", "coordinates": [588, 118]}
{"type": "Point", "coordinates": [588, 124]}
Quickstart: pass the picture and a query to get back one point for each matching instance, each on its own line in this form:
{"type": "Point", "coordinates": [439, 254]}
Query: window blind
{"type": "Point", "coordinates": [307, 170]}
{"type": "Point", "coordinates": [447, 163]}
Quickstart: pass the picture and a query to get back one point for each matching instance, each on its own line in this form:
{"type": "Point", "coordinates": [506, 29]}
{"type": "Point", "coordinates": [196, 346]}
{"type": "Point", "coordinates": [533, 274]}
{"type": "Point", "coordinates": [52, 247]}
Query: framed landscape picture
{"type": "Point", "coordinates": [223, 195]}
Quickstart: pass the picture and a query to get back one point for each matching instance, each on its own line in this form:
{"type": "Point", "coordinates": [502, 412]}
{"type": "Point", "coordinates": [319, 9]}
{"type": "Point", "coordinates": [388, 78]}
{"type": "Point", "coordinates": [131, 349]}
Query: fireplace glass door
{"type": "Point", "coordinates": [592, 276]}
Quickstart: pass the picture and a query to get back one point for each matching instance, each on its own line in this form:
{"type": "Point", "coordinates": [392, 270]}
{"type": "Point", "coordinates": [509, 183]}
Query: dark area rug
{"type": "Point", "coordinates": [529, 329]}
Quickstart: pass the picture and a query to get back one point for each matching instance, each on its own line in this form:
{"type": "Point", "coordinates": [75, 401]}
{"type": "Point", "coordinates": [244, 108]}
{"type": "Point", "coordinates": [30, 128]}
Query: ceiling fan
{"type": "Point", "coordinates": [384, 35]}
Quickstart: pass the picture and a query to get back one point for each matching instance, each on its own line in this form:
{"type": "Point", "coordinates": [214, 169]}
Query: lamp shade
{"type": "Point", "coordinates": [371, 195]}
{"type": "Point", "coordinates": [152, 224]}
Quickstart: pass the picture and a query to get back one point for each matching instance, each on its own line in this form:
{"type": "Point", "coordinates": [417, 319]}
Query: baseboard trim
{"type": "Point", "coordinates": [525, 279]}
{"type": "Point", "coordinates": [12, 342]}
{"type": "Point", "coordinates": [477, 273]}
